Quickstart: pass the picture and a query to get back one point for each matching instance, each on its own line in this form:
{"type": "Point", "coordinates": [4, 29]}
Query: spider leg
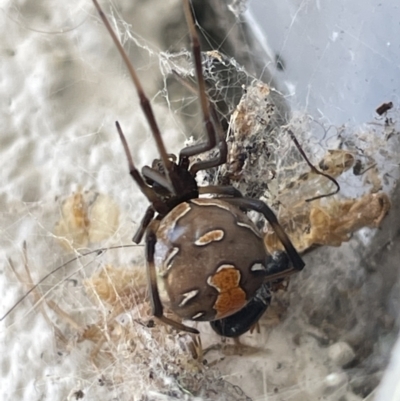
{"type": "Point", "coordinates": [260, 207]}
{"type": "Point", "coordinates": [156, 305]}
{"type": "Point", "coordinates": [148, 216]}
{"type": "Point", "coordinates": [223, 149]}
{"type": "Point", "coordinates": [144, 101]}
{"type": "Point", "coordinates": [220, 190]}
{"type": "Point", "coordinates": [154, 175]}
{"type": "Point", "coordinates": [212, 136]}
{"type": "Point", "coordinates": [214, 162]}
{"type": "Point", "coordinates": [134, 172]}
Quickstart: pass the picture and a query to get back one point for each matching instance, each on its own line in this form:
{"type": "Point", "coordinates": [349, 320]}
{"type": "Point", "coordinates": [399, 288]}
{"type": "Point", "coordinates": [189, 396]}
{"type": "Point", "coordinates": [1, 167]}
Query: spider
{"type": "Point", "coordinates": [206, 260]}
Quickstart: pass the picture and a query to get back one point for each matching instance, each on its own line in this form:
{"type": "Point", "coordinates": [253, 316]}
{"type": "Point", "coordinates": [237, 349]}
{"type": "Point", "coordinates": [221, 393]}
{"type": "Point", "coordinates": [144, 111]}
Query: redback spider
{"type": "Point", "coordinates": [206, 259]}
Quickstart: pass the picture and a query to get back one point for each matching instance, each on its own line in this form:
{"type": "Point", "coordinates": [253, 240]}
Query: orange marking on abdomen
{"type": "Point", "coordinates": [231, 297]}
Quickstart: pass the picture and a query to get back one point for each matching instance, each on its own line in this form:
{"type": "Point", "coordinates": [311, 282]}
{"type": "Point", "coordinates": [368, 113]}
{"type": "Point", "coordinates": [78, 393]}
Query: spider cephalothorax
{"type": "Point", "coordinates": [206, 259]}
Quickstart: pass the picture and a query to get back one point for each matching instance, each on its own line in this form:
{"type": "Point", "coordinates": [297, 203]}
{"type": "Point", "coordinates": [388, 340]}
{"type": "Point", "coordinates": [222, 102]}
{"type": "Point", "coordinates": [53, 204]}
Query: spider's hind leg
{"type": "Point", "coordinates": [260, 207]}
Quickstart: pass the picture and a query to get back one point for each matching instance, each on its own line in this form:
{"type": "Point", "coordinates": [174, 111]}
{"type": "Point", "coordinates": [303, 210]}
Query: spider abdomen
{"type": "Point", "coordinates": [209, 258]}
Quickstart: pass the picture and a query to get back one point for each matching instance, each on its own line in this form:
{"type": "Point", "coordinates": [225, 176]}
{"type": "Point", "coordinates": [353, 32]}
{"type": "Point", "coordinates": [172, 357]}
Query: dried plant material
{"type": "Point", "coordinates": [332, 222]}
{"type": "Point", "coordinates": [121, 288]}
{"type": "Point", "coordinates": [332, 226]}
{"type": "Point", "coordinates": [372, 177]}
{"type": "Point", "coordinates": [246, 124]}
{"type": "Point", "coordinates": [311, 184]}
{"type": "Point", "coordinates": [265, 161]}
{"type": "Point", "coordinates": [336, 162]}
{"type": "Point", "coordinates": [112, 283]}
{"type": "Point", "coordinates": [253, 138]}
{"type": "Point", "coordinates": [86, 218]}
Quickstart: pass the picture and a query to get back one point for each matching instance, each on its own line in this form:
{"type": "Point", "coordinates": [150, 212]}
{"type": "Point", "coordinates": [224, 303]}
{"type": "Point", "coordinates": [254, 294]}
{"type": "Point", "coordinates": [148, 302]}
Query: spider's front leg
{"type": "Point", "coordinates": [156, 304]}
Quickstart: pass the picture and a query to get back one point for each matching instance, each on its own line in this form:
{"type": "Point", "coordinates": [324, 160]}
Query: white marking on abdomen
{"type": "Point", "coordinates": [248, 226]}
{"type": "Point", "coordinates": [187, 296]}
{"type": "Point", "coordinates": [211, 236]}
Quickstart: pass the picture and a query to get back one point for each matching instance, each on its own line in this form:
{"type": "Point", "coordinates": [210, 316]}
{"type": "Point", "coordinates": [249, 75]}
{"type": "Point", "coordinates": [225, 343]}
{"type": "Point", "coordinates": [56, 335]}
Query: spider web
{"type": "Point", "coordinates": [65, 88]}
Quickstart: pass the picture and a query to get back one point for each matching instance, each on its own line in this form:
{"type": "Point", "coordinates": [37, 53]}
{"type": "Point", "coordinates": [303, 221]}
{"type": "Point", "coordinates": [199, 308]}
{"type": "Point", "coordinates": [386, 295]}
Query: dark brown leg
{"type": "Point", "coordinates": [148, 216]}
{"type": "Point", "coordinates": [261, 207]}
{"type": "Point", "coordinates": [144, 101]}
{"type": "Point", "coordinates": [154, 175]}
{"type": "Point", "coordinates": [156, 305]}
{"type": "Point", "coordinates": [216, 161]}
{"type": "Point", "coordinates": [313, 169]}
{"type": "Point", "coordinates": [212, 139]}
{"type": "Point", "coordinates": [223, 149]}
{"type": "Point", "coordinates": [220, 190]}
{"type": "Point", "coordinates": [133, 171]}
